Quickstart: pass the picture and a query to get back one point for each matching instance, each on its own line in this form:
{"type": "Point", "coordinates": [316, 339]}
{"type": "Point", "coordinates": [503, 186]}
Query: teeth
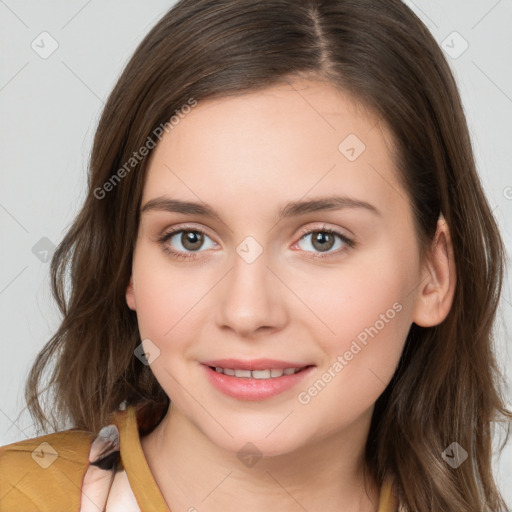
{"type": "Point", "coordinates": [265, 374]}
{"type": "Point", "coordinates": [243, 373]}
{"type": "Point", "coordinates": [257, 374]}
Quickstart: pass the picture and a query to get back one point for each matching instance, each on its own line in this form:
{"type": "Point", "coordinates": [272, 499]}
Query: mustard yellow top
{"type": "Point", "coordinates": [74, 470]}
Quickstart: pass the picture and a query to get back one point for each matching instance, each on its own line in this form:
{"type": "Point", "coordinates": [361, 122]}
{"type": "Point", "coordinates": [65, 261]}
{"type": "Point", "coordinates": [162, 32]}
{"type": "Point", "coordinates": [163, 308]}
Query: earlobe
{"type": "Point", "coordinates": [130, 295]}
{"type": "Point", "coordinates": [438, 280]}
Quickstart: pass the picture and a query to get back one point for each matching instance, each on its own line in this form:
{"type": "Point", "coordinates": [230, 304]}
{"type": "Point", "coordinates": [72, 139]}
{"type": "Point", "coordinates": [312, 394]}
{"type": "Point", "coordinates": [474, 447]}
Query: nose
{"type": "Point", "coordinates": [250, 298]}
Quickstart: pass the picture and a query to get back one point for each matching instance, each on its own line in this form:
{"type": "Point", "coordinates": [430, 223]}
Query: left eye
{"type": "Point", "coordinates": [323, 240]}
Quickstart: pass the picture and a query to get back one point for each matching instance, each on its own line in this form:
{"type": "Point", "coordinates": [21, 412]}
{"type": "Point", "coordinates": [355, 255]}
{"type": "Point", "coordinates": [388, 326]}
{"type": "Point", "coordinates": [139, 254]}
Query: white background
{"type": "Point", "coordinates": [49, 109]}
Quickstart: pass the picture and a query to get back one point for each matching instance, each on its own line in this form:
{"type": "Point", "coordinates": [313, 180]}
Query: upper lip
{"type": "Point", "coordinates": [254, 364]}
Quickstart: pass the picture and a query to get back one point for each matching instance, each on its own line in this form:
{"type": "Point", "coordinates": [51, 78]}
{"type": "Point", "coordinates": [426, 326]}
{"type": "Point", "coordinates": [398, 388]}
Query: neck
{"type": "Point", "coordinates": [195, 474]}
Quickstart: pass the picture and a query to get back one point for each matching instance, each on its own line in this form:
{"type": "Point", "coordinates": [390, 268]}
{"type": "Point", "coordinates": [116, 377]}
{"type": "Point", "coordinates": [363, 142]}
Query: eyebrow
{"type": "Point", "coordinates": [290, 209]}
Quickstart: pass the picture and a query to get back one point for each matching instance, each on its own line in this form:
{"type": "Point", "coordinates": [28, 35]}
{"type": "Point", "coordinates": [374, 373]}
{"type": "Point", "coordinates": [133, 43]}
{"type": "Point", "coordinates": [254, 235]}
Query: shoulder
{"type": "Point", "coordinates": [45, 472]}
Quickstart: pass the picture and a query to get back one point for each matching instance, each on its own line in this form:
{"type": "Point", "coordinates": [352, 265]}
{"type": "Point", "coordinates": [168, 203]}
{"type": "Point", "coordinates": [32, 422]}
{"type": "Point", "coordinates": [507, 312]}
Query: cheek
{"type": "Point", "coordinates": [366, 309]}
{"type": "Point", "coordinates": [369, 290]}
{"type": "Point", "coordinates": [164, 295]}
{"type": "Point", "coordinates": [168, 305]}
{"type": "Point", "coordinates": [360, 360]}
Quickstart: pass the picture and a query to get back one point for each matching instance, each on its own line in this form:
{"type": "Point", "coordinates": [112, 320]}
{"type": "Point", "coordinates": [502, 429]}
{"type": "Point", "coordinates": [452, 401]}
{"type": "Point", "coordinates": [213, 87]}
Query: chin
{"type": "Point", "coordinates": [257, 443]}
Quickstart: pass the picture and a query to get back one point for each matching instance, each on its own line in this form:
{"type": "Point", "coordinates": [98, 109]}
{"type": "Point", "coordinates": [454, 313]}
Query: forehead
{"type": "Point", "coordinates": [284, 142]}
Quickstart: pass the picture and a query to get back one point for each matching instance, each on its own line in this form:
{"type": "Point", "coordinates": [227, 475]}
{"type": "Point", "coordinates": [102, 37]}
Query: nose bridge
{"type": "Point", "coordinates": [251, 296]}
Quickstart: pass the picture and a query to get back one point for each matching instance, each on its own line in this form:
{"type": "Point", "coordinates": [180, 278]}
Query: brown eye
{"type": "Point", "coordinates": [187, 241]}
{"type": "Point", "coordinates": [322, 241]}
{"type": "Point", "coordinates": [325, 239]}
{"type": "Point", "coordinates": [192, 240]}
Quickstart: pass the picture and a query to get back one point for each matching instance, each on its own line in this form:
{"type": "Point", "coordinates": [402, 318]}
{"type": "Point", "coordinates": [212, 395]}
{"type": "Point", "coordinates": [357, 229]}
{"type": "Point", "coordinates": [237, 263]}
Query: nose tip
{"type": "Point", "coordinates": [249, 302]}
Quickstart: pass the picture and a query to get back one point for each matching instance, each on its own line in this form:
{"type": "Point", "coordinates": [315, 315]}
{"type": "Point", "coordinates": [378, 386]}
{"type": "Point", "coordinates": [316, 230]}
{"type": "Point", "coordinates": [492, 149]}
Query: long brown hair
{"type": "Point", "coordinates": [448, 386]}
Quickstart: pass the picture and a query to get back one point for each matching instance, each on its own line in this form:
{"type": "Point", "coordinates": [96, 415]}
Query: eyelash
{"type": "Point", "coordinates": [350, 244]}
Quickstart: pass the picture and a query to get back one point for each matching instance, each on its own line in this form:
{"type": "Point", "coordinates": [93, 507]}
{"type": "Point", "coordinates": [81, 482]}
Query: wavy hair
{"type": "Point", "coordinates": [447, 386]}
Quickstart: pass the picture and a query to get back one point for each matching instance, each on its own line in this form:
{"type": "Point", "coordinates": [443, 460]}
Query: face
{"type": "Point", "coordinates": [332, 286]}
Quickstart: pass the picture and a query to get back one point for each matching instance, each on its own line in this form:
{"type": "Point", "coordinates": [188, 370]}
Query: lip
{"type": "Point", "coordinates": [254, 364]}
{"type": "Point", "coordinates": [243, 388]}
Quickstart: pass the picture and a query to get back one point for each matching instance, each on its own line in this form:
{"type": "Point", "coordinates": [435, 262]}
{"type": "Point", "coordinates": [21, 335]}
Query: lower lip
{"type": "Point", "coordinates": [245, 388]}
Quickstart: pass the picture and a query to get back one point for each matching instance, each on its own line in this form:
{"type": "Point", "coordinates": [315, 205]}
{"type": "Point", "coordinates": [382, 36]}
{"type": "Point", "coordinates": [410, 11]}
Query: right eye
{"type": "Point", "coordinates": [190, 240]}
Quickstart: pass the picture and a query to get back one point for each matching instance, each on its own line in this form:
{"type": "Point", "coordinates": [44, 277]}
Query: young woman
{"type": "Point", "coordinates": [283, 280]}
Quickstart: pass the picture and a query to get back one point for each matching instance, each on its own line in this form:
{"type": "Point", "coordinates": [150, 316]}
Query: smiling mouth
{"type": "Point", "coordinates": [270, 373]}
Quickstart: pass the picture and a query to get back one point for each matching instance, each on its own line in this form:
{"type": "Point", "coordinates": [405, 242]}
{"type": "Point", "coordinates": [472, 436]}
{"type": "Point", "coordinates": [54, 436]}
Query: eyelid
{"type": "Point", "coordinates": [184, 227]}
{"type": "Point", "coordinates": [324, 227]}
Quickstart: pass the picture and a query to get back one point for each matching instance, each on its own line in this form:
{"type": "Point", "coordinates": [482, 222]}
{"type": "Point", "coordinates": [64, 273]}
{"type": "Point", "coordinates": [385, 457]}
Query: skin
{"type": "Point", "coordinates": [246, 156]}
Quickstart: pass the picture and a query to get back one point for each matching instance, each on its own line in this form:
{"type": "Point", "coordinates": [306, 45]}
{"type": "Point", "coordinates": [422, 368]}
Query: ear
{"type": "Point", "coordinates": [130, 295]}
{"type": "Point", "coordinates": [438, 280]}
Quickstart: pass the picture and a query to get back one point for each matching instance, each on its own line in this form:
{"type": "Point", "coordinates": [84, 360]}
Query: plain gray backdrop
{"type": "Point", "coordinates": [60, 60]}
